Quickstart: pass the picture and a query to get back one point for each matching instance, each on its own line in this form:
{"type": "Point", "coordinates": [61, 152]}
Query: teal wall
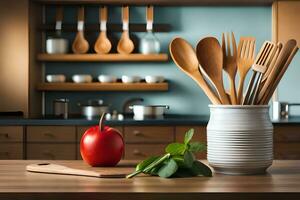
{"type": "Point", "coordinates": [191, 23]}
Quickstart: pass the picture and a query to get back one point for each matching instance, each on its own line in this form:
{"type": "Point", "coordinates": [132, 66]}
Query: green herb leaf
{"type": "Point", "coordinates": [199, 168]}
{"type": "Point", "coordinates": [188, 136]}
{"type": "Point", "coordinates": [188, 159]}
{"type": "Point", "coordinates": [142, 165]}
{"type": "Point", "coordinates": [168, 169]}
{"type": "Point", "coordinates": [183, 172]}
{"type": "Point", "coordinates": [175, 149]}
{"type": "Point", "coordinates": [179, 160]}
{"type": "Point", "coordinates": [196, 147]}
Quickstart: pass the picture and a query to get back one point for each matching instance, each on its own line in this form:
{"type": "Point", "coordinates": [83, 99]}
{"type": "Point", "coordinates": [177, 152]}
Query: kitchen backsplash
{"type": "Point", "coordinates": [191, 23]}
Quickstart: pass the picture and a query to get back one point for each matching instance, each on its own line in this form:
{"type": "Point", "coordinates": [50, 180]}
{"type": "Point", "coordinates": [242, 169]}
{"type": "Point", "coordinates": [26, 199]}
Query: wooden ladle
{"type": "Point", "coordinates": [125, 45]}
{"type": "Point", "coordinates": [210, 57]}
{"type": "Point", "coordinates": [80, 44]}
{"type": "Point", "coordinates": [102, 45]}
{"type": "Point", "coordinates": [185, 58]}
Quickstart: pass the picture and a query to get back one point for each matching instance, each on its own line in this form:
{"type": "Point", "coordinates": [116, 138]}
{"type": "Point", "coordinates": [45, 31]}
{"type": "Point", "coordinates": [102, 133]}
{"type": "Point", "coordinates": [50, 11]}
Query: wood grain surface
{"type": "Point", "coordinates": [281, 181]}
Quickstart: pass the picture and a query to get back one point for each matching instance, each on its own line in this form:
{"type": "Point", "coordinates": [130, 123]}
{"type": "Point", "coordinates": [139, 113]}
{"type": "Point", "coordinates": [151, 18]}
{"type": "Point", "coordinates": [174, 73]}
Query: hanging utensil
{"type": "Point", "coordinates": [245, 59]}
{"type": "Point", "coordinates": [149, 43]}
{"type": "Point", "coordinates": [125, 45]}
{"type": "Point", "coordinates": [102, 45]}
{"type": "Point", "coordinates": [57, 44]}
{"type": "Point", "coordinates": [186, 60]}
{"type": "Point", "coordinates": [229, 63]}
{"type": "Point", "coordinates": [210, 57]}
{"type": "Point", "coordinates": [80, 44]}
{"type": "Point", "coordinates": [259, 67]}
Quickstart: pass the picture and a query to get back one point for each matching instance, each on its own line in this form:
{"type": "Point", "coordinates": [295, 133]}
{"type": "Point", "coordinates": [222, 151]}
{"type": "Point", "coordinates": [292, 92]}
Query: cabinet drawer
{"type": "Point", "coordinates": [11, 151]}
{"type": "Point", "coordinates": [287, 133]}
{"type": "Point", "coordinates": [81, 130]}
{"type": "Point", "coordinates": [51, 134]}
{"type": "Point", "coordinates": [199, 133]}
{"type": "Point", "coordinates": [149, 134]}
{"type": "Point", "coordinates": [51, 151]}
{"type": "Point", "coordinates": [11, 133]}
{"type": "Point", "coordinates": [143, 151]}
{"type": "Point", "coordinates": [287, 151]}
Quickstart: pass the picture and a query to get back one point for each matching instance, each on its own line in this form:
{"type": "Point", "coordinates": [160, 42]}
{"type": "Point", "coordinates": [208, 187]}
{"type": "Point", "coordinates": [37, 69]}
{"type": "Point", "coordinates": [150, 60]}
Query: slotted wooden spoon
{"type": "Point", "coordinates": [102, 45]}
{"type": "Point", "coordinates": [210, 57]}
{"type": "Point", "coordinates": [125, 45]}
{"type": "Point", "coordinates": [80, 44]}
{"type": "Point", "coordinates": [186, 60]}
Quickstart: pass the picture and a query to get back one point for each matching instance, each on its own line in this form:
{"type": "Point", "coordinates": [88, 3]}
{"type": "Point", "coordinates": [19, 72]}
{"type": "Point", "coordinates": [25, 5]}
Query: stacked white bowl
{"type": "Point", "coordinates": [239, 139]}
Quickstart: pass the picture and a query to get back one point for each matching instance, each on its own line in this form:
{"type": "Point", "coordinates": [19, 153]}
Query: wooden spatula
{"type": "Point", "coordinates": [49, 168]}
{"type": "Point", "coordinates": [259, 67]}
{"type": "Point", "coordinates": [80, 44]}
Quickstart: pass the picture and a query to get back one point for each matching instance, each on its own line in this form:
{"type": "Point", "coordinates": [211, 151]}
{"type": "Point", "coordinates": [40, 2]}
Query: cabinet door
{"type": "Point", "coordinates": [11, 151]}
{"type": "Point", "coordinates": [288, 17]}
{"type": "Point", "coordinates": [51, 134]}
{"type": "Point", "coordinates": [11, 134]}
{"type": "Point", "coordinates": [143, 151]}
{"type": "Point", "coordinates": [46, 151]}
{"type": "Point", "coordinates": [149, 134]}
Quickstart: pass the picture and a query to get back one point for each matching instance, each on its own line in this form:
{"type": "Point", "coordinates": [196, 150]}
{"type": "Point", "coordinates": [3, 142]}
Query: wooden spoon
{"type": "Point", "coordinates": [185, 58]}
{"type": "Point", "coordinates": [102, 45]}
{"type": "Point", "coordinates": [210, 57]}
{"type": "Point", "coordinates": [80, 44]}
{"type": "Point", "coordinates": [125, 45]}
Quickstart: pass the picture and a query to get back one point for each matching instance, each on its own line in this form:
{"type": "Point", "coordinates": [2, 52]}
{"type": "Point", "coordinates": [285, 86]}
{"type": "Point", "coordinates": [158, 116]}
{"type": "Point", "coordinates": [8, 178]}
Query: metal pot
{"type": "Point", "coordinates": [93, 108]}
{"type": "Point", "coordinates": [142, 111]}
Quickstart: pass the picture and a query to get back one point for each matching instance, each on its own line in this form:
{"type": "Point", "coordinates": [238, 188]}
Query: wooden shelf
{"type": "Point", "coordinates": [103, 87]}
{"type": "Point", "coordinates": [160, 2]}
{"type": "Point", "coordinates": [102, 57]}
{"type": "Point", "coordinates": [110, 27]}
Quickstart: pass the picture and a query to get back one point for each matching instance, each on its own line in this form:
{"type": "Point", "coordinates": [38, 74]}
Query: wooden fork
{"type": "Point", "coordinates": [230, 64]}
{"type": "Point", "coordinates": [245, 59]}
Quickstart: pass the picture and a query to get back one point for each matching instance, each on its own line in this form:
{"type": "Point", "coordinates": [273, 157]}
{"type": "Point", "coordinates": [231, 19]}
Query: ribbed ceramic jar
{"type": "Point", "coordinates": [239, 139]}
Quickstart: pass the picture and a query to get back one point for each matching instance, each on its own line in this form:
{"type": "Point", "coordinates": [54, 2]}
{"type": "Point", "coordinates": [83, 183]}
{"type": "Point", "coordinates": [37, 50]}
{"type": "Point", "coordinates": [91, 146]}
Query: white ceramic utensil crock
{"type": "Point", "coordinates": [239, 139]}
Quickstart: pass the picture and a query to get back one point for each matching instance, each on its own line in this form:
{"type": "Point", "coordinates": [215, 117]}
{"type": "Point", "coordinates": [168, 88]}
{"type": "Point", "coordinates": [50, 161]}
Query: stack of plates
{"type": "Point", "coordinates": [242, 152]}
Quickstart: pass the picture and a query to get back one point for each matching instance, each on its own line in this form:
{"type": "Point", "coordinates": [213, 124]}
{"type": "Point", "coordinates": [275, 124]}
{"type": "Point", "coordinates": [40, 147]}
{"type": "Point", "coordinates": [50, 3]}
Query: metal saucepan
{"type": "Point", "coordinates": [142, 111]}
{"type": "Point", "coordinates": [93, 108]}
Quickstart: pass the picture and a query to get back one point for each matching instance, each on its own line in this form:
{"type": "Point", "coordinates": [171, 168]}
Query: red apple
{"type": "Point", "coordinates": [102, 146]}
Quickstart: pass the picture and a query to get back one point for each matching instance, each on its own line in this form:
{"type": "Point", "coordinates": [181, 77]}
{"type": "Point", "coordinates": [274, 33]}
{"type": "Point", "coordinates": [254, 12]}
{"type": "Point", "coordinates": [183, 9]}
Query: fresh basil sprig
{"type": "Point", "coordinates": [179, 161]}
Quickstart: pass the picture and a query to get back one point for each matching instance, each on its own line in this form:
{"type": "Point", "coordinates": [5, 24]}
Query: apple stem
{"type": "Point", "coordinates": [101, 121]}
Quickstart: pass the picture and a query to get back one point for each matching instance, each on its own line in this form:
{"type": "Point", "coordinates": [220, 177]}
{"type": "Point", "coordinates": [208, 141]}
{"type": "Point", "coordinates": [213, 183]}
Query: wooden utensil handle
{"type": "Point", "coordinates": [149, 13]}
{"type": "Point", "coordinates": [59, 13]}
{"type": "Point", "coordinates": [103, 13]}
{"type": "Point", "coordinates": [81, 13]}
{"type": "Point", "coordinates": [125, 14]}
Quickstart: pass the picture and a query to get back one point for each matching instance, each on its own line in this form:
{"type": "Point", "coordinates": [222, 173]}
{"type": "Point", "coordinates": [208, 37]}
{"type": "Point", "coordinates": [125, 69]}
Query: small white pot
{"type": "Point", "coordinates": [239, 139]}
{"type": "Point", "coordinates": [55, 78]}
{"type": "Point", "coordinates": [154, 79]}
{"type": "Point", "coordinates": [107, 79]}
{"type": "Point", "coordinates": [82, 78]}
{"type": "Point", "coordinates": [57, 46]}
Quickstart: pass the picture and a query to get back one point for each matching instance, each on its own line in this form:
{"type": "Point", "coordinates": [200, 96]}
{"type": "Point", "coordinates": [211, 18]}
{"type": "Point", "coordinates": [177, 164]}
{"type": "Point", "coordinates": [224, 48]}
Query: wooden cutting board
{"type": "Point", "coordinates": [49, 168]}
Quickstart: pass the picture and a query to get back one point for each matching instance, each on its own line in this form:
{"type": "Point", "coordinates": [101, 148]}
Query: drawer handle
{"type": "Point", "coordinates": [5, 135]}
{"type": "Point", "coordinates": [137, 152]}
{"type": "Point", "coordinates": [49, 135]}
{"type": "Point", "coordinates": [137, 133]}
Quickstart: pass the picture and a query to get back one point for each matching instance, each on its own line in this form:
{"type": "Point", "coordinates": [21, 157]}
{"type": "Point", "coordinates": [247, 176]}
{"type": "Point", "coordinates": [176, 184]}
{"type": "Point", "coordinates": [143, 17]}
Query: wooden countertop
{"type": "Point", "coordinates": [281, 181]}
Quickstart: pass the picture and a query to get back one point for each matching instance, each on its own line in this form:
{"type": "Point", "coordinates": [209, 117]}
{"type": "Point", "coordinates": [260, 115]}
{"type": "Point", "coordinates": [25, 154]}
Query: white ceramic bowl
{"type": "Point", "coordinates": [107, 78]}
{"type": "Point", "coordinates": [154, 79]}
{"type": "Point", "coordinates": [82, 78]}
{"type": "Point", "coordinates": [131, 79]}
{"type": "Point", "coordinates": [55, 78]}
